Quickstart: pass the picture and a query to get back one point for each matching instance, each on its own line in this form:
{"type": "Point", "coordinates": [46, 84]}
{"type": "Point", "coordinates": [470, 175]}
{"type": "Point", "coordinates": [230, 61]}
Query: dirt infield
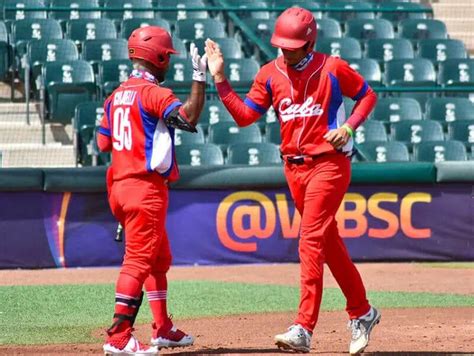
{"type": "Point", "coordinates": [401, 332]}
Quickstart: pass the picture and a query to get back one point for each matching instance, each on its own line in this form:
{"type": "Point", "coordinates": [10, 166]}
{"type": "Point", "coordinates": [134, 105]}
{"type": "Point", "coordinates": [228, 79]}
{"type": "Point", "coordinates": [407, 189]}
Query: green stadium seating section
{"type": "Point", "coordinates": [199, 155]}
{"type": "Point", "coordinates": [67, 85]}
{"type": "Point", "coordinates": [441, 151]}
{"type": "Point", "coordinates": [253, 154]}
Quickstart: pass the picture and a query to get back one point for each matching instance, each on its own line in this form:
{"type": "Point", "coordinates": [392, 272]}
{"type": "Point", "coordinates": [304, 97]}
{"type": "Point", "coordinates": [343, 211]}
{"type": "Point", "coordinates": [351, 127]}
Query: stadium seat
{"type": "Point", "coordinates": [75, 12]}
{"type": "Point", "coordinates": [385, 50]}
{"type": "Point", "coordinates": [112, 73]}
{"type": "Point", "coordinates": [328, 28]}
{"type": "Point", "coordinates": [33, 29]}
{"type": "Point", "coordinates": [421, 29]}
{"type": "Point", "coordinates": [400, 14]}
{"type": "Point", "coordinates": [128, 25]}
{"type": "Point", "coordinates": [180, 47]}
{"type": "Point", "coordinates": [462, 130]}
{"type": "Point", "coordinates": [343, 16]}
{"type": "Point", "coordinates": [313, 5]}
{"type": "Point", "coordinates": [253, 154]}
{"type": "Point", "coordinates": [87, 116]}
{"type": "Point", "coordinates": [213, 112]}
{"type": "Point", "coordinates": [391, 151]}
{"type": "Point", "coordinates": [186, 138]}
{"type": "Point", "coordinates": [272, 133]}
{"type": "Point", "coordinates": [254, 14]}
{"type": "Point", "coordinates": [229, 47]}
{"type": "Point", "coordinates": [410, 72]}
{"type": "Point", "coordinates": [371, 131]}
{"type": "Point", "coordinates": [369, 69]}
{"type": "Point", "coordinates": [241, 72]}
{"type": "Point", "coordinates": [179, 74]}
{"type": "Point", "coordinates": [101, 158]}
{"type": "Point", "coordinates": [414, 132]}
{"type": "Point", "coordinates": [90, 29]}
{"type": "Point", "coordinates": [420, 97]}
{"type": "Point", "coordinates": [227, 133]}
{"type": "Point", "coordinates": [441, 151]}
{"type": "Point", "coordinates": [369, 29]}
{"type": "Point", "coordinates": [449, 109]}
{"type": "Point", "coordinates": [181, 14]}
{"type": "Point", "coordinates": [193, 29]}
{"type": "Point", "coordinates": [199, 155]}
{"type": "Point", "coordinates": [67, 85]}
{"type": "Point", "coordinates": [346, 47]}
{"type": "Point", "coordinates": [390, 110]}
{"type": "Point", "coordinates": [5, 51]}
{"type": "Point", "coordinates": [457, 72]}
{"type": "Point", "coordinates": [46, 50]}
{"type": "Point", "coordinates": [440, 50]}
{"type": "Point", "coordinates": [262, 28]}
{"type": "Point", "coordinates": [19, 13]}
{"type": "Point", "coordinates": [128, 12]}
{"type": "Point", "coordinates": [95, 51]}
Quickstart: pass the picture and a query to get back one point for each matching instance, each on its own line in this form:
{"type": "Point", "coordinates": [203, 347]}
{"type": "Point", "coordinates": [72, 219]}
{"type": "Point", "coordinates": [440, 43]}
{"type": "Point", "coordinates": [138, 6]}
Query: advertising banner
{"type": "Point", "coordinates": [378, 223]}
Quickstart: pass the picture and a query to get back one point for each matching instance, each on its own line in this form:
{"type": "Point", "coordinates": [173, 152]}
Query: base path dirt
{"type": "Point", "coordinates": [401, 332]}
{"type": "Point", "coordinates": [421, 331]}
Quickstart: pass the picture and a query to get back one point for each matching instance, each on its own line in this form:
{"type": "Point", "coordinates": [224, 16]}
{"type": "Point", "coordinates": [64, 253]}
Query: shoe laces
{"type": "Point", "coordinates": [297, 330]}
{"type": "Point", "coordinates": [355, 327]}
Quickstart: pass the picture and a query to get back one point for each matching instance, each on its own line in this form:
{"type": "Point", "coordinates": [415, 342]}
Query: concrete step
{"type": "Point", "coordinates": [459, 25]}
{"type": "Point", "coordinates": [16, 113]}
{"type": "Point", "coordinates": [452, 9]}
{"type": "Point", "coordinates": [38, 156]}
{"type": "Point", "coordinates": [23, 133]}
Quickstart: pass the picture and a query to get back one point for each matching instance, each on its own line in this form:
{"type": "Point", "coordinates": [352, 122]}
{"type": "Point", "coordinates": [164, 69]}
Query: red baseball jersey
{"type": "Point", "coordinates": [309, 102]}
{"type": "Point", "coordinates": [133, 120]}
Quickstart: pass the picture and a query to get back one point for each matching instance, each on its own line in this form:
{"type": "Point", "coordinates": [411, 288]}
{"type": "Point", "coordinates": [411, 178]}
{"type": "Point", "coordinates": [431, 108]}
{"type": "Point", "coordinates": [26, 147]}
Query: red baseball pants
{"type": "Point", "coordinates": [318, 189]}
{"type": "Point", "coordinates": [140, 204]}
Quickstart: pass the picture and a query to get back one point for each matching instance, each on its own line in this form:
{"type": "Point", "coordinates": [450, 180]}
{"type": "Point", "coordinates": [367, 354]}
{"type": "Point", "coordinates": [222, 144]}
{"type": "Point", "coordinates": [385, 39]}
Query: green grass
{"type": "Point", "coordinates": [69, 313]}
{"type": "Point", "coordinates": [448, 264]}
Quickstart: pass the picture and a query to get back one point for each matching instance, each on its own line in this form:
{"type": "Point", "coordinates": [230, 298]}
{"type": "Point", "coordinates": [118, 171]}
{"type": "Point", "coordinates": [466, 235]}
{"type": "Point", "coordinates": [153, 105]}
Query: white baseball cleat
{"type": "Point", "coordinates": [296, 338]}
{"type": "Point", "coordinates": [133, 348]}
{"type": "Point", "coordinates": [173, 338]}
{"type": "Point", "coordinates": [361, 329]}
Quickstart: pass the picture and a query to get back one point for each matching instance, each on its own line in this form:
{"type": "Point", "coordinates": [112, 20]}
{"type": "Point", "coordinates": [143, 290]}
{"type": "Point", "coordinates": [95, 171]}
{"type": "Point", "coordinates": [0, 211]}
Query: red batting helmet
{"type": "Point", "coordinates": [294, 28]}
{"type": "Point", "coordinates": [152, 44]}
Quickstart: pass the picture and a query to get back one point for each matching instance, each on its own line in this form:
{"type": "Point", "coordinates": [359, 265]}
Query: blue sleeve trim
{"type": "Point", "coordinates": [171, 107]}
{"type": "Point", "coordinates": [258, 108]}
{"type": "Point", "coordinates": [361, 92]}
{"type": "Point", "coordinates": [269, 87]}
{"type": "Point", "coordinates": [104, 131]}
{"type": "Point", "coordinates": [107, 112]}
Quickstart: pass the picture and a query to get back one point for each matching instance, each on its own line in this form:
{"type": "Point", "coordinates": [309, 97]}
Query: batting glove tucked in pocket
{"type": "Point", "coordinates": [199, 64]}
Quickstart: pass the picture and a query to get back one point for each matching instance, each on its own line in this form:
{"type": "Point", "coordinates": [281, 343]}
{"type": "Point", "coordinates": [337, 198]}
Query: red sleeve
{"type": "Point", "coordinates": [104, 137]}
{"type": "Point", "coordinates": [257, 102]}
{"type": "Point", "coordinates": [354, 86]}
{"type": "Point", "coordinates": [158, 101]}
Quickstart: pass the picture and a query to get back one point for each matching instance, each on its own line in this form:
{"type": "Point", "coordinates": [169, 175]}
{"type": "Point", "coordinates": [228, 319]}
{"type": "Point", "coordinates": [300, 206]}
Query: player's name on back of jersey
{"type": "Point", "coordinates": [126, 97]}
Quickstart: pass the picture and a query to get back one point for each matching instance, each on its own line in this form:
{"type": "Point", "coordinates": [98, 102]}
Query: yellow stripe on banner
{"type": "Point", "coordinates": [61, 226]}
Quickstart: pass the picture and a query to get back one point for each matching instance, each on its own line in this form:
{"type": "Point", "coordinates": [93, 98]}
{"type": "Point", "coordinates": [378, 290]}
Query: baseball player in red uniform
{"type": "Point", "coordinates": [306, 89]}
{"type": "Point", "coordinates": [138, 127]}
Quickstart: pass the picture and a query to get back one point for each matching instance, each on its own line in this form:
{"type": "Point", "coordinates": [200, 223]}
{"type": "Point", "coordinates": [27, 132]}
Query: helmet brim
{"type": "Point", "coordinates": [287, 43]}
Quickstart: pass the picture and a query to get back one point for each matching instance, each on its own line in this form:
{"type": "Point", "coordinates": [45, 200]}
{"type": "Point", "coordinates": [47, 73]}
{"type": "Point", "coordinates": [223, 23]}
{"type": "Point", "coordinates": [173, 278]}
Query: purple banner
{"type": "Point", "coordinates": [387, 223]}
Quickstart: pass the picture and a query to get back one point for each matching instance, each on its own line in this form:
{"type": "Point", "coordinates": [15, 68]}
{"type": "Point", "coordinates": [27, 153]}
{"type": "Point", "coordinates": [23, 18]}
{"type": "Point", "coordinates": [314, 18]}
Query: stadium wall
{"type": "Point", "coordinates": [392, 212]}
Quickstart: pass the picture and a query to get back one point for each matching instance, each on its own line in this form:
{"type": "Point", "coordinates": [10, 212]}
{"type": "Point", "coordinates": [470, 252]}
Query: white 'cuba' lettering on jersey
{"type": "Point", "coordinates": [289, 111]}
{"type": "Point", "coordinates": [126, 97]}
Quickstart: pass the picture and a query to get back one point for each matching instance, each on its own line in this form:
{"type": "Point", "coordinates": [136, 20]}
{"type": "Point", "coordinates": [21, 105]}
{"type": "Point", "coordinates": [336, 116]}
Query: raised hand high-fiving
{"type": "Point", "coordinates": [215, 60]}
